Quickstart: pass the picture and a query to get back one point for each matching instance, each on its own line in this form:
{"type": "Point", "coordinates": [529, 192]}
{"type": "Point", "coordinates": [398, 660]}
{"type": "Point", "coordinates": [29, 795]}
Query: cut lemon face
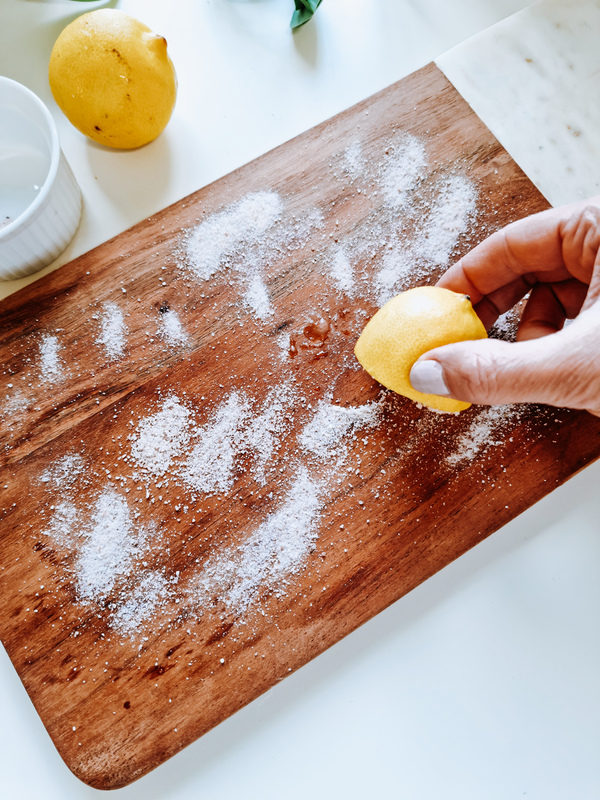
{"type": "Point", "coordinates": [409, 325]}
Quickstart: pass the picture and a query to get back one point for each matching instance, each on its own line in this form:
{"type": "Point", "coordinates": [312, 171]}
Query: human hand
{"type": "Point", "coordinates": [554, 256]}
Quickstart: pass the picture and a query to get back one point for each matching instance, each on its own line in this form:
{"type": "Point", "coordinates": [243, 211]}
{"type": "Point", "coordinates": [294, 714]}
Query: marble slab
{"type": "Point", "coordinates": [534, 80]}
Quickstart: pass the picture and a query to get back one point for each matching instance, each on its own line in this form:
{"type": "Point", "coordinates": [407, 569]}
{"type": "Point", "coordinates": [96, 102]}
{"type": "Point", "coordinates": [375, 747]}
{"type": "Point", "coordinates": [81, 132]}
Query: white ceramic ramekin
{"type": "Point", "coordinates": [40, 201]}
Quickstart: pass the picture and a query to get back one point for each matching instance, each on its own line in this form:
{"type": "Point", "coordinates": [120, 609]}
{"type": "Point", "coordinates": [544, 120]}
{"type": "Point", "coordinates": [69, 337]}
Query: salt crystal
{"type": "Point", "coordinates": [141, 602]}
{"type": "Point", "coordinates": [257, 298]}
{"type": "Point", "coordinates": [112, 330]}
{"type": "Point", "coordinates": [246, 238]}
{"type": "Point", "coordinates": [341, 272]}
{"type": "Point", "coordinates": [354, 161]}
{"type": "Point", "coordinates": [264, 431]}
{"type": "Point", "coordinates": [171, 328]}
{"type": "Point", "coordinates": [223, 233]}
{"type": "Point", "coordinates": [275, 551]}
{"type": "Point", "coordinates": [50, 361]}
{"type": "Point", "coordinates": [480, 434]}
{"type": "Point", "coordinates": [64, 525]}
{"type": "Point", "coordinates": [452, 210]}
{"type": "Point", "coordinates": [210, 466]}
{"type": "Point", "coordinates": [403, 170]}
{"type": "Point", "coordinates": [108, 550]}
{"type": "Point", "coordinates": [160, 437]}
{"type": "Point", "coordinates": [64, 471]}
{"type": "Point", "coordinates": [324, 435]}
{"type": "Point", "coordinates": [399, 268]}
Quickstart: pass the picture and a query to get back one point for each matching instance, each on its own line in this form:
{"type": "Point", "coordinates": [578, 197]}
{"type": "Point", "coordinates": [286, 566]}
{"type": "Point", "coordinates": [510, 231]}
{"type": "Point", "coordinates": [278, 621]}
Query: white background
{"type": "Point", "coordinates": [482, 684]}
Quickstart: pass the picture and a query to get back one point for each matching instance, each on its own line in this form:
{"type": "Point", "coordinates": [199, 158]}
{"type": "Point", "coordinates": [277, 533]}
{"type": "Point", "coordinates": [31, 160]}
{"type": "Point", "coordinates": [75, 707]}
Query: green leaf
{"type": "Point", "coordinates": [304, 11]}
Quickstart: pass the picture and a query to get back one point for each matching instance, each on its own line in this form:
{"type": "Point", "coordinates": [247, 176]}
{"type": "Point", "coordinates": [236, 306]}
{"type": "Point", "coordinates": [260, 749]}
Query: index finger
{"type": "Point", "coordinates": [549, 246]}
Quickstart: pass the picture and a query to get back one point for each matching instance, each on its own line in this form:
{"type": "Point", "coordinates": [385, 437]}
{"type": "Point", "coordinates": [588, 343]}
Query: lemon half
{"type": "Point", "coordinates": [409, 325]}
{"type": "Point", "coordinates": [113, 79]}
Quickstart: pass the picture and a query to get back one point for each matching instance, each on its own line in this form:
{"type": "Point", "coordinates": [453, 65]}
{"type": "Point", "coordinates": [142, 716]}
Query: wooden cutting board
{"type": "Point", "coordinates": [201, 489]}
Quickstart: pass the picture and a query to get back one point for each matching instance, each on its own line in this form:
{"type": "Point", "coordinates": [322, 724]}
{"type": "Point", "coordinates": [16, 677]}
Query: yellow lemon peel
{"type": "Point", "coordinates": [409, 325]}
{"type": "Point", "coordinates": [113, 79]}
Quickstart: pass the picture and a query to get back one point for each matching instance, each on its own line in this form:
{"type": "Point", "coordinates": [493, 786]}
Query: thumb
{"type": "Point", "coordinates": [561, 369]}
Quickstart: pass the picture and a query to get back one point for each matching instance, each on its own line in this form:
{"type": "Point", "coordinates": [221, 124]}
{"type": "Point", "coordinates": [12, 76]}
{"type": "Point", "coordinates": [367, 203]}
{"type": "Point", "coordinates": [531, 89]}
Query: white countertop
{"type": "Point", "coordinates": [482, 683]}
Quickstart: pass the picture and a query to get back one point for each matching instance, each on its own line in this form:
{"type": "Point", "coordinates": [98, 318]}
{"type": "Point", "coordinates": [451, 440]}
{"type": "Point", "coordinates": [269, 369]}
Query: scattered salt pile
{"type": "Point", "coordinates": [239, 428]}
{"type": "Point", "coordinates": [226, 233]}
{"type": "Point", "coordinates": [263, 434]}
{"type": "Point", "coordinates": [452, 210]}
{"type": "Point", "coordinates": [246, 238]}
{"type": "Point", "coordinates": [141, 603]}
{"type": "Point", "coordinates": [269, 557]}
{"type": "Point", "coordinates": [256, 298]}
{"type": "Point", "coordinates": [106, 543]}
{"type": "Point", "coordinates": [51, 364]}
{"type": "Point", "coordinates": [403, 168]}
{"type": "Point", "coordinates": [398, 269]}
{"type": "Point", "coordinates": [64, 525]}
{"type": "Point", "coordinates": [108, 549]}
{"type": "Point", "coordinates": [342, 272]}
{"type": "Point", "coordinates": [112, 330]}
{"type": "Point", "coordinates": [64, 471]}
{"type": "Point", "coordinates": [161, 437]}
{"type": "Point", "coordinates": [171, 329]}
{"type": "Point", "coordinates": [354, 160]}
{"type": "Point", "coordinates": [485, 431]}
{"type": "Point", "coordinates": [451, 213]}
{"type": "Point", "coordinates": [210, 467]}
{"type": "Point", "coordinates": [14, 403]}
{"type": "Point", "coordinates": [326, 435]}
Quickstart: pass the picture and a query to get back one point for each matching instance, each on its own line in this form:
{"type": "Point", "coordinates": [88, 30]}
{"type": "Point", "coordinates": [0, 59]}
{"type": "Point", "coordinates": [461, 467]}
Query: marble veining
{"type": "Point", "coordinates": [534, 80]}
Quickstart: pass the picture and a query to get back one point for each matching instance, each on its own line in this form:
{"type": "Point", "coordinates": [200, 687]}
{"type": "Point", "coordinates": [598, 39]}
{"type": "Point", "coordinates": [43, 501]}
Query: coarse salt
{"type": "Point", "coordinates": [354, 160]}
{"type": "Point", "coordinates": [112, 330]}
{"type": "Point", "coordinates": [51, 365]}
{"type": "Point", "coordinates": [141, 602]}
{"type": "Point", "coordinates": [402, 170]}
{"type": "Point", "coordinates": [452, 211]}
{"type": "Point", "coordinates": [211, 464]}
{"type": "Point", "coordinates": [267, 559]}
{"type": "Point", "coordinates": [221, 235]}
{"type": "Point", "coordinates": [64, 471]}
{"type": "Point", "coordinates": [480, 433]}
{"type": "Point", "coordinates": [257, 299]}
{"type": "Point", "coordinates": [342, 272]}
{"type": "Point", "coordinates": [161, 437]}
{"type": "Point", "coordinates": [324, 436]}
{"type": "Point", "coordinates": [171, 329]}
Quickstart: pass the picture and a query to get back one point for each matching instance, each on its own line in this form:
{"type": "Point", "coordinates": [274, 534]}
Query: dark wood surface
{"type": "Point", "coordinates": [403, 499]}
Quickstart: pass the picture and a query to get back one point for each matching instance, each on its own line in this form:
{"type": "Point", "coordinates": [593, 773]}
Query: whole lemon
{"type": "Point", "coordinates": [409, 325]}
{"type": "Point", "coordinates": [113, 79]}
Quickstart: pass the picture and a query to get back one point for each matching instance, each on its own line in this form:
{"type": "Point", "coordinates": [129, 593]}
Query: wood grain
{"type": "Point", "coordinates": [400, 502]}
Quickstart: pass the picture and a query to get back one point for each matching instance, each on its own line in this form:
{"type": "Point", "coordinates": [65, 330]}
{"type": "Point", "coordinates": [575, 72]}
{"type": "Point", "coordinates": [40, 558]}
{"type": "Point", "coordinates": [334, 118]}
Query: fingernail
{"type": "Point", "coordinates": [428, 377]}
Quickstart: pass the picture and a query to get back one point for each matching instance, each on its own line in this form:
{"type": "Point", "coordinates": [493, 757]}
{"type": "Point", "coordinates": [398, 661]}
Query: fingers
{"type": "Point", "coordinates": [593, 293]}
{"type": "Point", "coordinates": [552, 246]}
{"type": "Point", "coordinates": [522, 248]}
{"type": "Point", "coordinates": [562, 369]}
{"type": "Point", "coordinates": [554, 256]}
{"type": "Point", "coordinates": [548, 308]}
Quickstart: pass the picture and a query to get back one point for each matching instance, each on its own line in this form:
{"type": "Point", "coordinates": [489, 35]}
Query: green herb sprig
{"type": "Point", "coordinates": [304, 11]}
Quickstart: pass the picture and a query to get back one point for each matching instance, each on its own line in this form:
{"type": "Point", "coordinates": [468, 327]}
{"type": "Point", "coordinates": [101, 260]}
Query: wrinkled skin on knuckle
{"type": "Point", "coordinates": [581, 241]}
{"type": "Point", "coordinates": [474, 378]}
